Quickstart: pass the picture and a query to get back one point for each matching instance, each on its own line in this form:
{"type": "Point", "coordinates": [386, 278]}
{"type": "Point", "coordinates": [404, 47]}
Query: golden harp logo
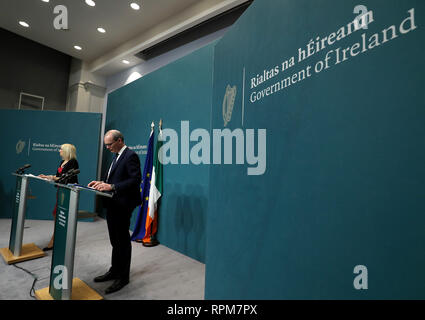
{"type": "Point", "coordinates": [20, 146]}
{"type": "Point", "coordinates": [62, 198]}
{"type": "Point", "coordinates": [228, 103]}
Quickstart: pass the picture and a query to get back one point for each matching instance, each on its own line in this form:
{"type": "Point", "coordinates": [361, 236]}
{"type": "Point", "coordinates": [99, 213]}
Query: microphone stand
{"type": "Point", "coordinates": [71, 173]}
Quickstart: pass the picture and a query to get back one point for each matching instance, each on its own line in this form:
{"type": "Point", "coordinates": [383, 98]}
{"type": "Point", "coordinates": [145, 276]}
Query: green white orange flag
{"type": "Point", "coordinates": [155, 194]}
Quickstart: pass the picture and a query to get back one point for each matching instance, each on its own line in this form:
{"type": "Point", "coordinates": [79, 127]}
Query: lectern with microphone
{"type": "Point", "coordinates": [62, 284]}
{"type": "Point", "coordinates": [16, 252]}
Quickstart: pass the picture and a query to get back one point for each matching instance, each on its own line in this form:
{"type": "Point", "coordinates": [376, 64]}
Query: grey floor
{"type": "Point", "coordinates": [157, 273]}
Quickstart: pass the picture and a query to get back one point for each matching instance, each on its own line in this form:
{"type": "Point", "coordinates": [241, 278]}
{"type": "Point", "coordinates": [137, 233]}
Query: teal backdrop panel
{"type": "Point", "coordinates": [180, 91]}
{"type": "Point", "coordinates": [339, 210]}
{"type": "Point", "coordinates": [34, 137]}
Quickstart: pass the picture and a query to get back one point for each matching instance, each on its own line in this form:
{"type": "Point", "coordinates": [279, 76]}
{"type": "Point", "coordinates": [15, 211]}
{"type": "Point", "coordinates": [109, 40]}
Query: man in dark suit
{"type": "Point", "coordinates": [123, 179]}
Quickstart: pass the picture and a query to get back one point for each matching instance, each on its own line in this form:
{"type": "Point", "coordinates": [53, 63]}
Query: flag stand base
{"type": "Point", "coordinates": [151, 243]}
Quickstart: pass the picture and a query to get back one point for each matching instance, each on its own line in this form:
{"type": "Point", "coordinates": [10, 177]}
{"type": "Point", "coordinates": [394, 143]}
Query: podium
{"type": "Point", "coordinates": [62, 285]}
{"type": "Point", "coordinates": [16, 252]}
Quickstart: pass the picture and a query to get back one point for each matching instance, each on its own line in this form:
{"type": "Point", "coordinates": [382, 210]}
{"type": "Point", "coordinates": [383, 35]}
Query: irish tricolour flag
{"type": "Point", "coordinates": [154, 196]}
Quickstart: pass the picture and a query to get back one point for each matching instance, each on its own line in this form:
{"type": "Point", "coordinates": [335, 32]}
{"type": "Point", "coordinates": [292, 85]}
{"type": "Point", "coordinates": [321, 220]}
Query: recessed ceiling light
{"type": "Point", "coordinates": [132, 77]}
{"type": "Point", "coordinates": [24, 24]}
{"type": "Point", "coordinates": [101, 30]}
{"type": "Point", "coordinates": [45, 0]}
{"type": "Point", "coordinates": [91, 3]}
{"type": "Point", "coordinates": [134, 6]}
{"type": "Point", "coordinates": [77, 47]}
{"type": "Point", "coordinates": [126, 61]}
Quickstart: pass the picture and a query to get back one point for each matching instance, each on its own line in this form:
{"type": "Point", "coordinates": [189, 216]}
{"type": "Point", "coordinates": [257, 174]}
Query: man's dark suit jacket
{"type": "Point", "coordinates": [126, 176]}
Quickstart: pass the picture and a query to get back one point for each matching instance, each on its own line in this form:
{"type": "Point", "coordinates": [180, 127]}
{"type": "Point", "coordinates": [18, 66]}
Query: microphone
{"type": "Point", "coordinates": [22, 169]}
{"type": "Point", "coordinates": [64, 179]}
{"type": "Point", "coordinates": [74, 172]}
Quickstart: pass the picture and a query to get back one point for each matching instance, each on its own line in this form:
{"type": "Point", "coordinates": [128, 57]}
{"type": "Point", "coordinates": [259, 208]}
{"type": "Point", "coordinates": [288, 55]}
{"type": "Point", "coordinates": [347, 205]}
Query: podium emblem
{"type": "Point", "coordinates": [62, 198]}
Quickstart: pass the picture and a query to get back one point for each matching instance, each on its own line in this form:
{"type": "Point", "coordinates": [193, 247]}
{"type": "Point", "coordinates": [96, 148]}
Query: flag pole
{"type": "Point", "coordinates": [137, 235]}
{"type": "Point", "coordinates": [153, 241]}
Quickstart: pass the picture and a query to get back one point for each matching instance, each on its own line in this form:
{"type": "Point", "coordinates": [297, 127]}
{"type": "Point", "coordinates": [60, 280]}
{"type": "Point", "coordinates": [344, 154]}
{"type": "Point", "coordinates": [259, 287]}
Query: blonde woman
{"type": "Point", "coordinates": [68, 153]}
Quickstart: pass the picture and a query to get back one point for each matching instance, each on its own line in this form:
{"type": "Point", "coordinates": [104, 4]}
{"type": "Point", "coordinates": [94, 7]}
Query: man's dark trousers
{"type": "Point", "coordinates": [118, 220]}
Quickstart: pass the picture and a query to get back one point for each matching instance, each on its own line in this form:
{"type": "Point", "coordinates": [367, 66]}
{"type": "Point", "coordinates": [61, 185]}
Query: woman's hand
{"type": "Point", "coordinates": [49, 177]}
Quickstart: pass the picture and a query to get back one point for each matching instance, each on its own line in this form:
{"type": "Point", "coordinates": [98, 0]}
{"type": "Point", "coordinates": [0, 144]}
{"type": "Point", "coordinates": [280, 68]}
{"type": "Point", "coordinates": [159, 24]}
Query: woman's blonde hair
{"type": "Point", "coordinates": [69, 151]}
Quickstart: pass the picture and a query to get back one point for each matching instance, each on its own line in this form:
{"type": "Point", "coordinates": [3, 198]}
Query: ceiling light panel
{"type": "Point", "coordinates": [24, 24]}
{"type": "Point", "coordinates": [134, 6]}
{"type": "Point", "coordinates": [91, 3]}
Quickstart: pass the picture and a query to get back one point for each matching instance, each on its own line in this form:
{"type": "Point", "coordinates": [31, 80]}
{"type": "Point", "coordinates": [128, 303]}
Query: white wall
{"type": "Point", "coordinates": [86, 91]}
{"type": "Point", "coordinates": [121, 79]}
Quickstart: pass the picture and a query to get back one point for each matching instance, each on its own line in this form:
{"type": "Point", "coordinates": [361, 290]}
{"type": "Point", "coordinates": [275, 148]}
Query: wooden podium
{"type": "Point", "coordinates": [16, 252]}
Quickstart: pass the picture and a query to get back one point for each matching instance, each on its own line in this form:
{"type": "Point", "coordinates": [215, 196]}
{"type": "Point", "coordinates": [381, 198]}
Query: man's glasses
{"type": "Point", "coordinates": [110, 144]}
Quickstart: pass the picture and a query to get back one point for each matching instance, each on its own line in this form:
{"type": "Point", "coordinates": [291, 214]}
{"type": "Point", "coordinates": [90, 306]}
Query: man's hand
{"type": "Point", "coordinates": [100, 186]}
{"type": "Point", "coordinates": [93, 184]}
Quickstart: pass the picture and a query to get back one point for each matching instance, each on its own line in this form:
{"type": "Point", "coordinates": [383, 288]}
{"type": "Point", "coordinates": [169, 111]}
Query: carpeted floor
{"type": "Point", "coordinates": [157, 273]}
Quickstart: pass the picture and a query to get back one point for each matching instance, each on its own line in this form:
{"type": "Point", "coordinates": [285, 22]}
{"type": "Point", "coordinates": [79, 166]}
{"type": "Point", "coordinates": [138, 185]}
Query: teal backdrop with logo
{"type": "Point", "coordinates": [339, 211]}
{"type": "Point", "coordinates": [180, 91]}
{"type": "Point", "coordinates": [34, 137]}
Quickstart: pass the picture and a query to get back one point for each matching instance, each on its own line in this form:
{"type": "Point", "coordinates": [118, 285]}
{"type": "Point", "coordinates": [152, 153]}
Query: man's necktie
{"type": "Point", "coordinates": [112, 165]}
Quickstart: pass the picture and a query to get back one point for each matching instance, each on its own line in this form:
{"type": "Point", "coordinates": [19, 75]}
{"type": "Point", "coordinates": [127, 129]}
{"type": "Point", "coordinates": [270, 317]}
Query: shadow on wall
{"type": "Point", "coordinates": [182, 219]}
{"type": "Point", "coordinates": [6, 202]}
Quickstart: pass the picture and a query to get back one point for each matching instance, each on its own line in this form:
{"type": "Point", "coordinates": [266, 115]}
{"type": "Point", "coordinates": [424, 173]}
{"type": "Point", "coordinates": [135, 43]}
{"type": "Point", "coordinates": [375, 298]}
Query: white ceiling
{"type": "Point", "coordinates": [127, 31]}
